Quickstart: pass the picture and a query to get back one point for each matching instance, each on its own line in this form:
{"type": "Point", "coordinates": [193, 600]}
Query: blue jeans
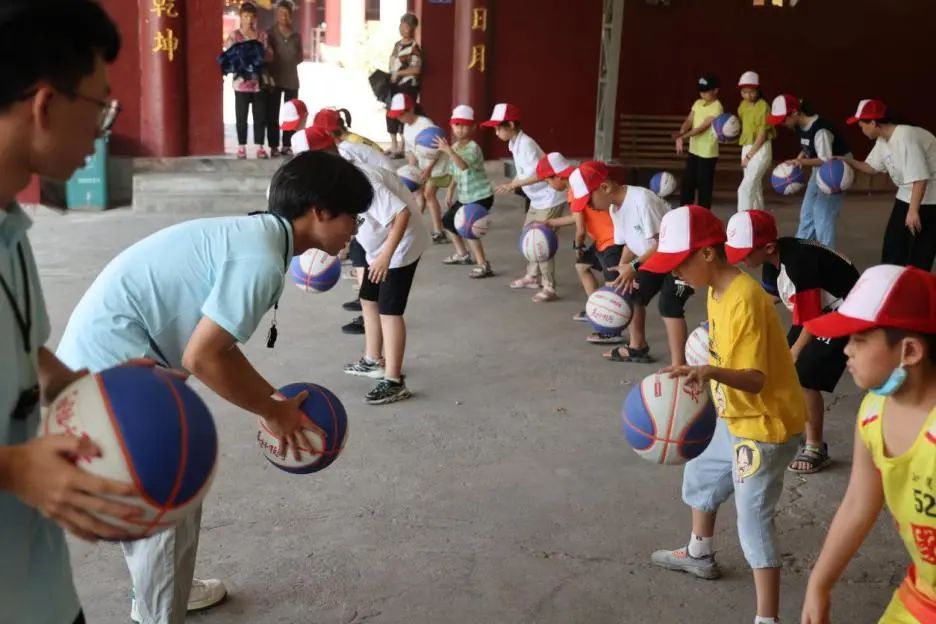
{"type": "Point", "coordinates": [818, 214]}
{"type": "Point", "coordinates": [711, 478]}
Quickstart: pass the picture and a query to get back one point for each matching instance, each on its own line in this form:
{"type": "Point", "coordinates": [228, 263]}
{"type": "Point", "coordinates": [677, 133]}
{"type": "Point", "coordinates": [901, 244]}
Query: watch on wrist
{"type": "Point", "coordinates": [635, 264]}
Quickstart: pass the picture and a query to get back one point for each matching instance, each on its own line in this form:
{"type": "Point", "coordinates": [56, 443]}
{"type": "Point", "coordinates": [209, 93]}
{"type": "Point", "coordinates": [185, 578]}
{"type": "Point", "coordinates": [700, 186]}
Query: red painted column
{"type": "Point", "coordinates": [333, 22]}
{"type": "Point", "coordinates": [472, 55]}
{"type": "Point", "coordinates": [307, 13]}
{"type": "Point", "coordinates": [164, 96]}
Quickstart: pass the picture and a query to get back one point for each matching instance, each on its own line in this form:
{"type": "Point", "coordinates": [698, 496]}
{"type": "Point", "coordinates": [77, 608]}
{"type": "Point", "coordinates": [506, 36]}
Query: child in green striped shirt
{"type": "Point", "coordinates": [472, 185]}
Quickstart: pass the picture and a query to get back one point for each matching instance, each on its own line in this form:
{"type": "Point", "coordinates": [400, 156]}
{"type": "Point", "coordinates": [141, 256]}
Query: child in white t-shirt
{"type": "Point", "coordinates": [545, 202]}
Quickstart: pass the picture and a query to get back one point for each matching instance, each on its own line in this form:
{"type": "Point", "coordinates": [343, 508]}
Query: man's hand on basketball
{"type": "Point", "coordinates": [287, 422]}
{"type": "Point", "coordinates": [42, 474]}
{"type": "Point", "coordinates": [625, 281]}
{"type": "Point", "coordinates": [696, 376]}
{"type": "Point", "coordinates": [377, 271]}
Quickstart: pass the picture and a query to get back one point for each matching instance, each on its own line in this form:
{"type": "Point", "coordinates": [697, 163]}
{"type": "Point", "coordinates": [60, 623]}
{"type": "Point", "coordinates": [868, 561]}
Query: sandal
{"type": "Point", "coordinates": [481, 271]}
{"type": "Point", "coordinates": [457, 259]}
{"type": "Point", "coordinates": [635, 356]}
{"type": "Point", "coordinates": [815, 458]}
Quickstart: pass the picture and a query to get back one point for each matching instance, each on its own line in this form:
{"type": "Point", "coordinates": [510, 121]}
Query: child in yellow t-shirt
{"type": "Point", "coordinates": [890, 315]}
{"type": "Point", "coordinates": [755, 142]}
{"type": "Point", "coordinates": [699, 174]}
{"type": "Point", "coordinates": [760, 405]}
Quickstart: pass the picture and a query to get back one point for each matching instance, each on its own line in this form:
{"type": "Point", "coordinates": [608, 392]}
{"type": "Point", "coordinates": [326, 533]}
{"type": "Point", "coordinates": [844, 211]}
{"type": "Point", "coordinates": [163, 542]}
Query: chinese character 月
{"type": "Point", "coordinates": [477, 57]}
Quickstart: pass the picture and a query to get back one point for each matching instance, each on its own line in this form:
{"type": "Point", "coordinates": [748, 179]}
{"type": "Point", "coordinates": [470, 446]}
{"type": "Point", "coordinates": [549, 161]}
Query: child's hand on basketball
{"type": "Point", "coordinates": [625, 281]}
{"type": "Point", "coordinates": [443, 145]}
{"type": "Point", "coordinates": [42, 473]}
{"type": "Point", "coordinates": [287, 422]}
{"type": "Point", "coordinates": [377, 272]}
{"type": "Point", "coordinates": [695, 376]}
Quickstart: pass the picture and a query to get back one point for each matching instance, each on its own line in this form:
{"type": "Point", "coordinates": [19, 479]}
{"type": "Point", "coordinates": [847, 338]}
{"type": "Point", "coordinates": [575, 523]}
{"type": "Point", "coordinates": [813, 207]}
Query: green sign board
{"type": "Point", "coordinates": [87, 188]}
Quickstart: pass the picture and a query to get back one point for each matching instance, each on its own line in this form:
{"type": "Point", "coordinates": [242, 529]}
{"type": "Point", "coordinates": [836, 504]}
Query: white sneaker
{"type": "Point", "coordinates": [204, 593]}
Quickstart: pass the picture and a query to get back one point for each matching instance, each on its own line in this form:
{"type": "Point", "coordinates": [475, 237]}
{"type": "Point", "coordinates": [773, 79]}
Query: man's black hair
{"type": "Point", "coordinates": [54, 41]}
{"type": "Point", "coordinates": [319, 180]}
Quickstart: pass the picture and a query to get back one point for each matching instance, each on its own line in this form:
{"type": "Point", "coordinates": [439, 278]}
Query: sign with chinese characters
{"type": "Point", "coordinates": [165, 39]}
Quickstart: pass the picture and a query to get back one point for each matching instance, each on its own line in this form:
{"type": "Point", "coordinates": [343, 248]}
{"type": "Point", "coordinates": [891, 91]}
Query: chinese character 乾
{"type": "Point", "coordinates": [164, 7]}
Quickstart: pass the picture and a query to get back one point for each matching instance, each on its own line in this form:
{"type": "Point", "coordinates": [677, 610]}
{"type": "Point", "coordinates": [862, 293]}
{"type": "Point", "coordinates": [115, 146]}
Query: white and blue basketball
{"type": "Point", "coordinates": [472, 221]}
{"type": "Point", "coordinates": [409, 175]}
{"type": "Point", "coordinates": [152, 430]}
{"type": "Point", "coordinates": [314, 271]}
{"type": "Point", "coordinates": [835, 176]}
{"type": "Point", "coordinates": [326, 439]}
{"type": "Point", "coordinates": [788, 179]}
{"type": "Point", "coordinates": [727, 128]}
{"type": "Point", "coordinates": [666, 422]}
{"type": "Point", "coordinates": [607, 311]}
{"type": "Point", "coordinates": [538, 243]}
{"type": "Point", "coordinates": [663, 183]}
{"type": "Point", "coordinates": [426, 141]}
{"type": "Point", "coordinates": [697, 346]}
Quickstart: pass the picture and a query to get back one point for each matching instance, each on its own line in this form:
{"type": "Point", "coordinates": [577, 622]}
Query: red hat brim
{"type": "Point", "coordinates": [737, 254]}
{"type": "Point", "coordinates": [395, 114]}
{"type": "Point", "coordinates": [665, 262]}
{"type": "Point", "coordinates": [775, 120]}
{"type": "Point", "coordinates": [290, 126]}
{"type": "Point", "coordinates": [837, 325]}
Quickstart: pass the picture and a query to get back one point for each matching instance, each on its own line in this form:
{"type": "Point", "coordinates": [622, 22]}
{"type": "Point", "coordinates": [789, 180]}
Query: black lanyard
{"type": "Point", "coordinates": [272, 334]}
{"type": "Point", "coordinates": [23, 320]}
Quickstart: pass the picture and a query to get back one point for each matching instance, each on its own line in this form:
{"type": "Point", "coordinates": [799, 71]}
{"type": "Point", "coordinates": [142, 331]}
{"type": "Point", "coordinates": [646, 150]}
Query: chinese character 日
{"type": "Point", "coordinates": [477, 57]}
{"type": "Point", "coordinates": [479, 19]}
{"type": "Point", "coordinates": [167, 43]}
{"type": "Point", "coordinates": [164, 7]}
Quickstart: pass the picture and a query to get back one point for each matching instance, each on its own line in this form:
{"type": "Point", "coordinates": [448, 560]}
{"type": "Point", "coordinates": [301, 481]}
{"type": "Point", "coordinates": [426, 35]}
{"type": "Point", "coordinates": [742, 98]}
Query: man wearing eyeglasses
{"type": "Point", "coordinates": [54, 102]}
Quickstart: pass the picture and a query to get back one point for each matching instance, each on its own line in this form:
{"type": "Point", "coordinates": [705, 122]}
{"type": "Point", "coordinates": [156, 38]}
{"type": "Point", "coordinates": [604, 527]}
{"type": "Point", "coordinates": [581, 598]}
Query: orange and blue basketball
{"type": "Point", "coordinates": [667, 422]}
{"type": "Point", "coordinates": [327, 433]}
{"type": "Point", "coordinates": [153, 431]}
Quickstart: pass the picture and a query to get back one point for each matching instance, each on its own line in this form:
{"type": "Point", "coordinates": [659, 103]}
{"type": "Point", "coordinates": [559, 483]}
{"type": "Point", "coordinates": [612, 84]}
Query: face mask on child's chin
{"type": "Point", "coordinates": [896, 379]}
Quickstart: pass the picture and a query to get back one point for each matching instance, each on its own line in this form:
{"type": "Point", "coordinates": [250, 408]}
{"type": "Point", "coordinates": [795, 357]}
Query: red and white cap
{"type": "Point", "coordinates": [462, 115]}
{"type": "Point", "coordinates": [312, 139]}
{"type": "Point", "coordinates": [868, 110]}
{"type": "Point", "coordinates": [553, 164]}
{"type": "Point", "coordinates": [584, 180]}
{"type": "Point", "coordinates": [400, 103]}
{"type": "Point", "coordinates": [502, 113]}
{"type": "Point", "coordinates": [293, 114]}
{"type": "Point", "coordinates": [749, 230]}
{"type": "Point", "coordinates": [327, 119]}
{"type": "Point", "coordinates": [749, 79]}
{"type": "Point", "coordinates": [682, 231]}
{"type": "Point", "coordinates": [782, 107]}
{"type": "Point", "coordinates": [885, 296]}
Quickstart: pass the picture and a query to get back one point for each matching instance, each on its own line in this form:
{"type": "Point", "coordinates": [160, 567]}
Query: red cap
{"type": "Point", "coordinates": [749, 230]}
{"type": "Point", "coordinates": [886, 296]}
{"type": "Point", "coordinates": [585, 180]}
{"type": "Point", "coordinates": [327, 119]}
{"type": "Point", "coordinates": [782, 107]}
{"type": "Point", "coordinates": [312, 139]}
{"type": "Point", "coordinates": [502, 113]}
{"type": "Point", "coordinates": [682, 231]}
{"type": "Point", "coordinates": [553, 164]}
{"type": "Point", "coordinates": [868, 110]}
{"type": "Point", "coordinates": [399, 104]}
{"type": "Point", "coordinates": [293, 114]}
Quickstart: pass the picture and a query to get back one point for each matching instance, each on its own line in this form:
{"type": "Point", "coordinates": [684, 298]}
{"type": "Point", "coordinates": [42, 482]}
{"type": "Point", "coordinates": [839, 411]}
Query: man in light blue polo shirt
{"type": "Point", "coordinates": [54, 102]}
{"type": "Point", "coordinates": [185, 297]}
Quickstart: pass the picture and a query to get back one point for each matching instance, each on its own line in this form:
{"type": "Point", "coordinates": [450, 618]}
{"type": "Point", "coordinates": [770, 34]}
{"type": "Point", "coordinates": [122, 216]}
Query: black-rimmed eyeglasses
{"type": "Point", "coordinates": [109, 109]}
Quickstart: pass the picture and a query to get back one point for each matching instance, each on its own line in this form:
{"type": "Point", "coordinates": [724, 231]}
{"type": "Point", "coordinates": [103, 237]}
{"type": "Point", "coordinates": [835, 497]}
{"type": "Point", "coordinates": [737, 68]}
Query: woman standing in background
{"type": "Point", "coordinates": [286, 44]}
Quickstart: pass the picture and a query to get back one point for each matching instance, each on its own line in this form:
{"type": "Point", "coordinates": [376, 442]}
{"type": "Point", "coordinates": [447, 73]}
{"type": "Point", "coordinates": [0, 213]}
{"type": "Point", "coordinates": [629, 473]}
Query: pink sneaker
{"type": "Point", "coordinates": [241, 153]}
{"type": "Point", "coordinates": [262, 154]}
{"type": "Point", "coordinates": [547, 294]}
{"type": "Point", "coordinates": [525, 282]}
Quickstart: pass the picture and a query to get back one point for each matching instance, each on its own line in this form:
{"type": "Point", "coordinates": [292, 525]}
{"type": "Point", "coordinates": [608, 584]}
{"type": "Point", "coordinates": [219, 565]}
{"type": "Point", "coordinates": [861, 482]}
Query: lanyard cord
{"type": "Point", "coordinates": [23, 321]}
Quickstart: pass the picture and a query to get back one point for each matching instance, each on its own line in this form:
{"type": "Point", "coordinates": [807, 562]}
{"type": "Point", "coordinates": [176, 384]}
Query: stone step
{"type": "Point", "coordinates": [206, 192]}
{"type": "Point", "coordinates": [202, 164]}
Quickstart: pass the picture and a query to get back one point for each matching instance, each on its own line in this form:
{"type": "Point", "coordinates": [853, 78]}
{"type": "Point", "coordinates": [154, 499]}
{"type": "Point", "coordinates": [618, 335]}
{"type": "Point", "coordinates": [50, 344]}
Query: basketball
{"type": "Point", "coordinates": [607, 311]}
{"type": "Point", "coordinates": [409, 176]}
{"type": "Point", "coordinates": [472, 221]}
{"type": "Point", "coordinates": [152, 430]}
{"type": "Point", "coordinates": [314, 271]}
{"type": "Point", "coordinates": [787, 179]}
{"type": "Point", "coordinates": [697, 346]}
{"type": "Point", "coordinates": [325, 411]}
{"type": "Point", "coordinates": [663, 183]}
{"type": "Point", "coordinates": [666, 422]}
{"type": "Point", "coordinates": [538, 243]}
{"type": "Point", "coordinates": [426, 141]}
{"type": "Point", "coordinates": [835, 176]}
{"type": "Point", "coordinates": [727, 128]}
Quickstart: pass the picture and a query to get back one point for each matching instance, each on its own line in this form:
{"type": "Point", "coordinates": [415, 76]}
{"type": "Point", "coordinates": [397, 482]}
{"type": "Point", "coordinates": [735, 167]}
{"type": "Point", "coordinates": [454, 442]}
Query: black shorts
{"type": "Point", "coordinates": [605, 261]}
{"type": "Point", "coordinates": [391, 294]}
{"type": "Point", "coordinates": [822, 361]}
{"type": "Point", "coordinates": [448, 219]}
{"type": "Point", "coordinates": [357, 254]}
{"type": "Point", "coordinates": [673, 294]}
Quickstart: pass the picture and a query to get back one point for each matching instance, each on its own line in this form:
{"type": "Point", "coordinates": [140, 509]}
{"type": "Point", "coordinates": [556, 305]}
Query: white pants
{"type": "Point", "coordinates": [751, 191]}
{"type": "Point", "coordinates": [162, 568]}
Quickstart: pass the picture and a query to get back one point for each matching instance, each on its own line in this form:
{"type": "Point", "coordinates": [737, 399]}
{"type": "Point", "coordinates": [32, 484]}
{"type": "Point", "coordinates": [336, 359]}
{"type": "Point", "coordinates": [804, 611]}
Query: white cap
{"type": "Point", "coordinates": [749, 79]}
{"type": "Point", "coordinates": [463, 112]}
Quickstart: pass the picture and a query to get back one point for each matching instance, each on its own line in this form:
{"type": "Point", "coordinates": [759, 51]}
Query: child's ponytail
{"type": "Point", "coordinates": [345, 116]}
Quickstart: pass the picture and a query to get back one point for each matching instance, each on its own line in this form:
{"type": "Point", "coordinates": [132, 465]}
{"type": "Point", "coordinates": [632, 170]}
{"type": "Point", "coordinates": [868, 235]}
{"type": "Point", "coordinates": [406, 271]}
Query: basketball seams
{"type": "Point", "coordinates": [183, 455]}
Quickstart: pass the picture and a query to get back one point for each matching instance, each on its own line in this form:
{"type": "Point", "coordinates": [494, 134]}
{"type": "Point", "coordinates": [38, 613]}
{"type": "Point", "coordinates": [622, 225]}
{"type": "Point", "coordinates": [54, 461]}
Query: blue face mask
{"type": "Point", "coordinates": [893, 383]}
